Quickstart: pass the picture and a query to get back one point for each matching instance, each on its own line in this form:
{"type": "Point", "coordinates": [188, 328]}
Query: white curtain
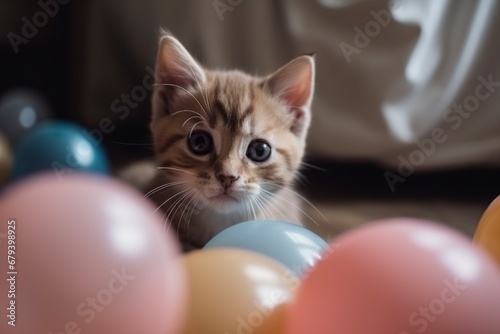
{"type": "Point", "coordinates": [404, 82]}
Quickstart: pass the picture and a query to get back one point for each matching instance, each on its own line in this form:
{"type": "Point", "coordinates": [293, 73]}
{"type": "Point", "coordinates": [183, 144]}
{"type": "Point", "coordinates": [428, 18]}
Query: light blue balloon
{"type": "Point", "coordinates": [294, 246]}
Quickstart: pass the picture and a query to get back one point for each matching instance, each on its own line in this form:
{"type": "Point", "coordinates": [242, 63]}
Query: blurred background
{"type": "Point", "coordinates": [406, 118]}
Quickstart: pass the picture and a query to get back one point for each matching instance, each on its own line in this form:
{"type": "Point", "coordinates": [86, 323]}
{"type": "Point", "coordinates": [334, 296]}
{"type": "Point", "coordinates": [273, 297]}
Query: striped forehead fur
{"type": "Point", "coordinates": [237, 99]}
{"type": "Point", "coordinates": [232, 99]}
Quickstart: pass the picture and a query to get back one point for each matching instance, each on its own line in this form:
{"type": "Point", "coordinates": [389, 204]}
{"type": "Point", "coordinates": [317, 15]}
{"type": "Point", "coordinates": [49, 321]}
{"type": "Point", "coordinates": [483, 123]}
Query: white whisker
{"type": "Point", "coordinates": [269, 203]}
{"type": "Point", "coordinates": [300, 178]}
{"type": "Point", "coordinates": [195, 205]}
{"type": "Point", "coordinates": [297, 207]}
{"type": "Point", "coordinates": [200, 84]}
{"type": "Point", "coordinates": [168, 199]}
{"type": "Point", "coordinates": [185, 90]}
{"type": "Point", "coordinates": [261, 207]}
{"type": "Point", "coordinates": [178, 170]}
{"type": "Point", "coordinates": [253, 211]}
{"type": "Point", "coordinates": [175, 207]}
{"type": "Point", "coordinates": [188, 110]}
{"type": "Point", "coordinates": [321, 169]}
{"type": "Point", "coordinates": [187, 206]}
{"type": "Point", "coordinates": [166, 215]}
{"type": "Point", "coordinates": [187, 120]}
{"type": "Point", "coordinates": [192, 129]}
{"type": "Point", "coordinates": [163, 187]}
{"type": "Point", "coordinates": [205, 98]}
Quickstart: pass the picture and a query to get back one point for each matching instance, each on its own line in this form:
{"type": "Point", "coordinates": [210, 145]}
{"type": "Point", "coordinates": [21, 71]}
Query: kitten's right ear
{"type": "Point", "coordinates": [175, 66]}
{"type": "Point", "coordinates": [176, 71]}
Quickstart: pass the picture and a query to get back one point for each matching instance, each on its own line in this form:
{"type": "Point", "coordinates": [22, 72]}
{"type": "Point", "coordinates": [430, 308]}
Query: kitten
{"type": "Point", "coordinates": [228, 145]}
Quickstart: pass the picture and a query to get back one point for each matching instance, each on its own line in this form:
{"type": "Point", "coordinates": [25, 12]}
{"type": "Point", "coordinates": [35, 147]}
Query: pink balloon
{"type": "Point", "coordinates": [88, 256]}
{"type": "Point", "coordinates": [399, 276]}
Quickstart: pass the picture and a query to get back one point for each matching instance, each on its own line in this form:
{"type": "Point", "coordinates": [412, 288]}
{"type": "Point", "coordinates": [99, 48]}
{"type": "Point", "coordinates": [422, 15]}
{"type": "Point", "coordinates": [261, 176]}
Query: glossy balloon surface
{"type": "Point", "coordinates": [400, 276]}
{"type": "Point", "coordinates": [88, 256]}
{"type": "Point", "coordinates": [236, 291]}
{"type": "Point", "coordinates": [487, 233]}
{"type": "Point", "coordinates": [294, 246]}
{"type": "Point", "coordinates": [60, 147]}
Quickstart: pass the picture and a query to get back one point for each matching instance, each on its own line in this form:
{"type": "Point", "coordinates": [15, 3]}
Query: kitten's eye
{"type": "Point", "coordinates": [258, 150]}
{"type": "Point", "coordinates": [200, 142]}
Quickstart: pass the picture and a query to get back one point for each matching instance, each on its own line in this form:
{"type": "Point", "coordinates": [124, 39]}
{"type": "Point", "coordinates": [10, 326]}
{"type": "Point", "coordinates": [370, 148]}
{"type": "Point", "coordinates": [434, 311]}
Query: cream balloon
{"type": "Point", "coordinates": [236, 291]}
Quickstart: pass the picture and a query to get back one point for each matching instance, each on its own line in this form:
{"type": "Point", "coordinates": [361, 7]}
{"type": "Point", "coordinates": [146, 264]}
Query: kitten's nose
{"type": "Point", "coordinates": [226, 179]}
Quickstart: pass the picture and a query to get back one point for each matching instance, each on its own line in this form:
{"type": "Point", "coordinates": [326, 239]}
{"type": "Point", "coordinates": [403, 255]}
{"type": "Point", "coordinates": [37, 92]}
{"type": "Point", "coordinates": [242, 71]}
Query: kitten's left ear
{"type": "Point", "coordinates": [294, 85]}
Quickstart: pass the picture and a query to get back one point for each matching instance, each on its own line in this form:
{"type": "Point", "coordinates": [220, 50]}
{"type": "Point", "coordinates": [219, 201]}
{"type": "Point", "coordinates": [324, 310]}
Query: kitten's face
{"type": "Point", "coordinates": [229, 140]}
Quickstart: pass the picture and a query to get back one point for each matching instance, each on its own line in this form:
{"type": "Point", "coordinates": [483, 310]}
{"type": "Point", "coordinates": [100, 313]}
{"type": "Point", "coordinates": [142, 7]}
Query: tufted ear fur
{"type": "Point", "coordinates": [176, 71]}
{"type": "Point", "coordinates": [293, 84]}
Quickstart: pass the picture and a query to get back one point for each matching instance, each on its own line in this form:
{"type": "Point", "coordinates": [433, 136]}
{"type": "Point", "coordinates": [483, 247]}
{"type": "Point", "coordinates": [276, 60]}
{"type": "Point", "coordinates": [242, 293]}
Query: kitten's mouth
{"type": "Point", "coordinates": [224, 197]}
{"type": "Point", "coordinates": [224, 201]}
{"type": "Point", "coordinates": [227, 200]}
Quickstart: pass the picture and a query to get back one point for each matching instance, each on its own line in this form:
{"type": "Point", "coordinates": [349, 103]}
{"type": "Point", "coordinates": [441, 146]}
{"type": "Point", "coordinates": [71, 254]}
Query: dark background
{"type": "Point", "coordinates": [49, 64]}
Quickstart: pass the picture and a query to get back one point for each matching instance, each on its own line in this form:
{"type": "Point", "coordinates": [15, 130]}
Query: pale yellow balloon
{"type": "Point", "coordinates": [236, 291]}
{"type": "Point", "coordinates": [487, 234]}
{"type": "Point", "coordinates": [5, 160]}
